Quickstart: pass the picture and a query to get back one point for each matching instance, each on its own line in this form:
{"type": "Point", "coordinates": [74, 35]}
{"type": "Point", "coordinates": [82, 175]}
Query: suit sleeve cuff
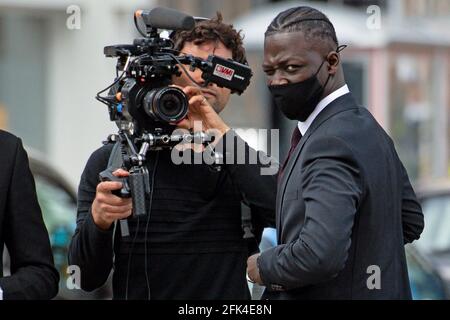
{"type": "Point", "coordinates": [268, 279]}
{"type": "Point", "coordinates": [260, 262]}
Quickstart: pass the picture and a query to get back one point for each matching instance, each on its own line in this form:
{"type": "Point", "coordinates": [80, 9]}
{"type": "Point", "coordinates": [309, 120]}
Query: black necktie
{"type": "Point", "coordinates": [296, 137]}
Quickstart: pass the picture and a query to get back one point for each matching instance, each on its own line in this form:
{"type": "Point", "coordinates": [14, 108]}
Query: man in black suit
{"type": "Point", "coordinates": [345, 206]}
{"type": "Point", "coordinates": [22, 229]}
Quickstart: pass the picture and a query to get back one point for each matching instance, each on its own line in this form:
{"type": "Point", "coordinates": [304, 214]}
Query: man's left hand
{"type": "Point", "coordinates": [253, 270]}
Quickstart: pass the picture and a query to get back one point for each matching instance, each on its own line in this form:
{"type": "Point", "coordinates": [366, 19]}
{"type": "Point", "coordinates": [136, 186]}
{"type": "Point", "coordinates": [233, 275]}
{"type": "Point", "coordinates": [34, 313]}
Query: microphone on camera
{"type": "Point", "coordinates": [165, 18]}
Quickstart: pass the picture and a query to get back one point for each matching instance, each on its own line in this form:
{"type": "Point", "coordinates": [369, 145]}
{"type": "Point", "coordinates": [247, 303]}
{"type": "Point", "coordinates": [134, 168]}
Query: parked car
{"type": "Point", "coordinates": [435, 239]}
{"type": "Point", "coordinates": [426, 282]}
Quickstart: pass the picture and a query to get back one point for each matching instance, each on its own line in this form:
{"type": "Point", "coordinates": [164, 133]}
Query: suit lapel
{"type": "Point", "coordinates": [342, 103]}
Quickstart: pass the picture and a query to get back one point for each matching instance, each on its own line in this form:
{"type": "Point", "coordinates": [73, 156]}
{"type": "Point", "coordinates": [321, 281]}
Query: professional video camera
{"type": "Point", "coordinates": [142, 94]}
{"type": "Point", "coordinates": [144, 105]}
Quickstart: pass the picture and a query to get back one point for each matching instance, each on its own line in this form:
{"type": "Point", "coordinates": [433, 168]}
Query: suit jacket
{"type": "Point", "coordinates": [22, 228]}
{"type": "Point", "coordinates": [345, 209]}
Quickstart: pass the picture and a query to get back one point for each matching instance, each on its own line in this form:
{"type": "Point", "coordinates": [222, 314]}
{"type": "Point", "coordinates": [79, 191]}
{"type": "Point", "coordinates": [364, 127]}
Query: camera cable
{"type": "Point", "coordinates": [152, 188]}
{"type": "Point", "coordinates": [186, 72]}
{"type": "Point", "coordinates": [129, 258]}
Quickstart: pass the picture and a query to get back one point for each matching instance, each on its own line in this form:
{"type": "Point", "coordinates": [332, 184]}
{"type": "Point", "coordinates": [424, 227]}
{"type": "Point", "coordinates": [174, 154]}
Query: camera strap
{"type": "Point", "coordinates": [115, 162]}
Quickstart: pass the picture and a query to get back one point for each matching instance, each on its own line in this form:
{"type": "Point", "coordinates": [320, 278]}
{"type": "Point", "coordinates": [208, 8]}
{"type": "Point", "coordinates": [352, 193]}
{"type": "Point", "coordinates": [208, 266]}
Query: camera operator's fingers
{"type": "Point", "coordinates": [116, 209]}
{"type": "Point", "coordinates": [184, 124]}
{"type": "Point", "coordinates": [176, 86]}
{"type": "Point", "coordinates": [215, 136]}
{"type": "Point", "coordinates": [108, 186]}
{"type": "Point", "coordinates": [200, 101]}
{"type": "Point", "coordinates": [191, 91]}
{"type": "Point", "coordinates": [105, 219]}
{"type": "Point", "coordinates": [121, 173]}
{"type": "Point", "coordinates": [209, 117]}
{"type": "Point", "coordinates": [182, 147]}
{"type": "Point", "coordinates": [113, 200]}
{"type": "Point", "coordinates": [106, 208]}
{"type": "Point", "coordinates": [196, 98]}
{"type": "Point", "coordinates": [198, 148]}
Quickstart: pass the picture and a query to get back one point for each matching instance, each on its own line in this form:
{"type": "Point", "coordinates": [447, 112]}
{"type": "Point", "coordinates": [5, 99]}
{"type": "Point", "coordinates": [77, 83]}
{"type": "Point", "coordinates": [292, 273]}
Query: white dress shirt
{"type": "Point", "coordinates": [304, 126]}
{"type": "Point", "coordinates": [1, 294]}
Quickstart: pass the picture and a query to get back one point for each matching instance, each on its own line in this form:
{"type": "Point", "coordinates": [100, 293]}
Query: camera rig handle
{"type": "Point", "coordinates": [108, 175]}
{"type": "Point", "coordinates": [137, 185]}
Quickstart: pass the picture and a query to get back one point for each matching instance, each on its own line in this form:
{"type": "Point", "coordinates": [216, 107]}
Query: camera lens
{"type": "Point", "coordinates": [167, 104]}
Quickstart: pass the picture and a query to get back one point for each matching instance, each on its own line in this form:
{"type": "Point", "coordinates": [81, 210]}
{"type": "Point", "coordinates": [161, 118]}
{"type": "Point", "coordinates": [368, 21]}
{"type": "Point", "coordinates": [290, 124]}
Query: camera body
{"type": "Point", "coordinates": [143, 96]}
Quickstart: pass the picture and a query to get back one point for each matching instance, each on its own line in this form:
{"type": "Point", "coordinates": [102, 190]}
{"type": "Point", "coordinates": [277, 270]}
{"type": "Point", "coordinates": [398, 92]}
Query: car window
{"type": "Point", "coordinates": [435, 236]}
{"type": "Point", "coordinates": [425, 283]}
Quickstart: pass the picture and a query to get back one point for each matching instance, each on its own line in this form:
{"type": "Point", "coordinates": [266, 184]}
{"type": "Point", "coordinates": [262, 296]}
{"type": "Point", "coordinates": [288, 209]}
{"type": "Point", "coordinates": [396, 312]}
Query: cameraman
{"type": "Point", "coordinates": [191, 244]}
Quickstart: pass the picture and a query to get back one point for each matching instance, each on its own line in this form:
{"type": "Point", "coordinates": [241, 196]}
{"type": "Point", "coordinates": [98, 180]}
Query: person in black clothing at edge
{"type": "Point", "coordinates": [193, 247]}
{"type": "Point", "coordinates": [345, 205]}
{"type": "Point", "coordinates": [22, 229]}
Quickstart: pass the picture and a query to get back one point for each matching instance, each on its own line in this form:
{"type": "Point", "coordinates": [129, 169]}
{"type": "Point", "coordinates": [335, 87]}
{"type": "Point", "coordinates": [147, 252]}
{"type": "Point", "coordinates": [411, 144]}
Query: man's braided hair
{"type": "Point", "coordinates": [314, 24]}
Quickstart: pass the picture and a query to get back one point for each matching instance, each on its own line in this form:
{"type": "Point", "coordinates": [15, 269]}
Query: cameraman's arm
{"type": "Point", "coordinates": [254, 174]}
{"type": "Point", "coordinates": [92, 247]}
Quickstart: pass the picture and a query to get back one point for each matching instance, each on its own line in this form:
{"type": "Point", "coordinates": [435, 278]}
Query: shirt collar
{"type": "Point", "coordinates": [304, 126]}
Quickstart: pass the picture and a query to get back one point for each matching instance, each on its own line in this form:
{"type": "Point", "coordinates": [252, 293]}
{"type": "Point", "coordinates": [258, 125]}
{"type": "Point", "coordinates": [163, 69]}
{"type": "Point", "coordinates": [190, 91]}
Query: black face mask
{"type": "Point", "coordinates": [298, 100]}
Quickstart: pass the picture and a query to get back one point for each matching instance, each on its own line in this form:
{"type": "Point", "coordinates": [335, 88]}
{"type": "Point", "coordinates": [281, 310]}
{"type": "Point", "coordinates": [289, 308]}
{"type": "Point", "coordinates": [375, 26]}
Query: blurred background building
{"type": "Point", "coordinates": [397, 64]}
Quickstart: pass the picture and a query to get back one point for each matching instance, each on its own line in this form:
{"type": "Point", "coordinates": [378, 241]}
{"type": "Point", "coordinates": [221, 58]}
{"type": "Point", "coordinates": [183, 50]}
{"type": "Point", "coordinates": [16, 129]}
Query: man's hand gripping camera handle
{"type": "Point", "coordinates": [125, 191]}
{"type": "Point", "coordinates": [134, 186]}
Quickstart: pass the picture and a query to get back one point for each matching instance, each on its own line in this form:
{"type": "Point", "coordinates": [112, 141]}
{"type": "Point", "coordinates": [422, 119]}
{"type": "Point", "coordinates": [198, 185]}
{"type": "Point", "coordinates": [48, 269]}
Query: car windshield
{"type": "Point", "coordinates": [436, 237]}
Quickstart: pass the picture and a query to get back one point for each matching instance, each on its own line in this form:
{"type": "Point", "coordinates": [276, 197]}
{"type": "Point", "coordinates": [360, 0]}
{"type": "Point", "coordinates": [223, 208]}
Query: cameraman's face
{"type": "Point", "coordinates": [216, 96]}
